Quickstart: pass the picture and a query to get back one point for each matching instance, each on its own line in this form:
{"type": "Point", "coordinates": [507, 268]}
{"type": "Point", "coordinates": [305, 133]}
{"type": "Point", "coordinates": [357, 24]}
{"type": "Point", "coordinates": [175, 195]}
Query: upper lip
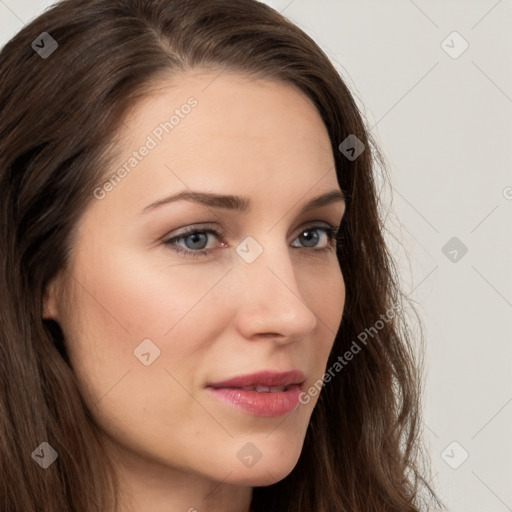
{"type": "Point", "coordinates": [263, 378]}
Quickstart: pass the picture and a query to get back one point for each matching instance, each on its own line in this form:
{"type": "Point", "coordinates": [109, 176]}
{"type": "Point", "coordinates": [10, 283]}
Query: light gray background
{"type": "Point", "coordinates": [445, 127]}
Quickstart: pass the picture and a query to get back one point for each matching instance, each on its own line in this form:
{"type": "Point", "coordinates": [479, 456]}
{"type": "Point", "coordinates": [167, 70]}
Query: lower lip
{"type": "Point", "coordinates": [260, 403]}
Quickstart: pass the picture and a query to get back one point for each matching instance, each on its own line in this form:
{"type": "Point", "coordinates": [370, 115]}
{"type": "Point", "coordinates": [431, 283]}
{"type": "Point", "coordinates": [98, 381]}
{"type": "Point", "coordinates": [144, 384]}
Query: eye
{"type": "Point", "coordinates": [312, 237]}
{"type": "Point", "coordinates": [195, 240]}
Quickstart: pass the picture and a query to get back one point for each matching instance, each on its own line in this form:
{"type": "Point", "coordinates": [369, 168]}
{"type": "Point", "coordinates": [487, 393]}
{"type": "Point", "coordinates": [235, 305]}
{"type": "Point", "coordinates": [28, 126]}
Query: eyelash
{"type": "Point", "coordinates": [330, 231]}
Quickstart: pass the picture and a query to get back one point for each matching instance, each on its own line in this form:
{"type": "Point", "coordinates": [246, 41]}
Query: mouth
{"type": "Point", "coordinates": [266, 389]}
{"type": "Point", "coordinates": [266, 393]}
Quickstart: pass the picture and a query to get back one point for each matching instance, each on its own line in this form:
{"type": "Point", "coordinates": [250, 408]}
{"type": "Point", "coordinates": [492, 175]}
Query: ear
{"type": "Point", "coordinates": [50, 300]}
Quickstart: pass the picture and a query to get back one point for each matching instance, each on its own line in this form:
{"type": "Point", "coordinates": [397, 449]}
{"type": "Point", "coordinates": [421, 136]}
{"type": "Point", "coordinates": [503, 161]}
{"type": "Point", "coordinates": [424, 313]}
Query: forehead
{"type": "Point", "coordinates": [226, 105]}
{"type": "Point", "coordinates": [230, 130]}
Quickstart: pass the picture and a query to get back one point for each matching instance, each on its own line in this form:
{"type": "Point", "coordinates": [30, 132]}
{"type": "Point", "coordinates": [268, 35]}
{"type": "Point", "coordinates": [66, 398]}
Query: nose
{"type": "Point", "coordinates": [271, 302]}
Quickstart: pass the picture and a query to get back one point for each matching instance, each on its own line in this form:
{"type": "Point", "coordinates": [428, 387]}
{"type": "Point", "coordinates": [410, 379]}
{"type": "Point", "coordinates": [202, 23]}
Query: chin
{"type": "Point", "coordinates": [267, 471]}
{"type": "Point", "coordinates": [260, 479]}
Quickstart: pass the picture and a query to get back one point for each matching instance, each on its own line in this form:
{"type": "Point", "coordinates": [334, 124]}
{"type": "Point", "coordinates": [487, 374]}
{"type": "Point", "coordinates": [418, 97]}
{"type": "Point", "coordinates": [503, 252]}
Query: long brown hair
{"type": "Point", "coordinates": [59, 115]}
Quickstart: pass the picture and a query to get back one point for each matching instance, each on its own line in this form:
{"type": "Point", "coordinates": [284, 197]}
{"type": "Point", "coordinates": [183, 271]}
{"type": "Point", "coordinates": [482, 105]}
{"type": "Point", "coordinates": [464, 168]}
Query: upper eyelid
{"type": "Point", "coordinates": [201, 228]}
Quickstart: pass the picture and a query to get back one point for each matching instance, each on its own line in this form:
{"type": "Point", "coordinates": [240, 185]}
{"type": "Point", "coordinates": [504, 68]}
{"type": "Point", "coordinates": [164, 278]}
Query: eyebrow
{"type": "Point", "coordinates": [237, 203]}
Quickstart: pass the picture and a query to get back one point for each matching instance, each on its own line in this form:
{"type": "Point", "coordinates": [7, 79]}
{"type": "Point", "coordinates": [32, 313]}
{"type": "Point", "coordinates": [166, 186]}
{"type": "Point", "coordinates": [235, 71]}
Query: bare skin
{"type": "Point", "coordinates": [214, 316]}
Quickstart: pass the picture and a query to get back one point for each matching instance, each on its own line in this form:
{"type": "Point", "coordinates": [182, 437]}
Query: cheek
{"type": "Point", "coordinates": [326, 298]}
{"type": "Point", "coordinates": [181, 307]}
{"type": "Point", "coordinates": [129, 313]}
{"type": "Point", "coordinates": [149, 409]}
{"type": "Point", "coordinates": [324, 291]}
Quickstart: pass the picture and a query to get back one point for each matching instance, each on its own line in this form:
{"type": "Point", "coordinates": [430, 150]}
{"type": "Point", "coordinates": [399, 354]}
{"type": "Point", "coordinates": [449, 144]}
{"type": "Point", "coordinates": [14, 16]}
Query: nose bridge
{"type": "Point", "coordinates": [266, 261]}
{"type": "Point", "coordinates": [272, 301]}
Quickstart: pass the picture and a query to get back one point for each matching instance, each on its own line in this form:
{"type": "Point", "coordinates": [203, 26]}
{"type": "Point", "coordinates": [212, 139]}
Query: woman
{"type": "Point", "coordinates": [199, 308]}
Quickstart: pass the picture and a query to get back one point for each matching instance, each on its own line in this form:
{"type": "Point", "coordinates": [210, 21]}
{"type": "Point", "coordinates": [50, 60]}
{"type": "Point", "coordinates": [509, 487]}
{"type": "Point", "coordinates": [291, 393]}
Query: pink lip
{"type": "Point", "coordinates": [263, 378]}
{"type": "Point", "coordinates": [261, 403]}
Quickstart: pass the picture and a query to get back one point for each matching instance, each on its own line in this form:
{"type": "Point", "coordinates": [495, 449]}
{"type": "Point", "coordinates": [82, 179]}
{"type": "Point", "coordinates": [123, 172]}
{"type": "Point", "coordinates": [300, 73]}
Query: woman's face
{"type": "Point", "coordinates": [149, 330]}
